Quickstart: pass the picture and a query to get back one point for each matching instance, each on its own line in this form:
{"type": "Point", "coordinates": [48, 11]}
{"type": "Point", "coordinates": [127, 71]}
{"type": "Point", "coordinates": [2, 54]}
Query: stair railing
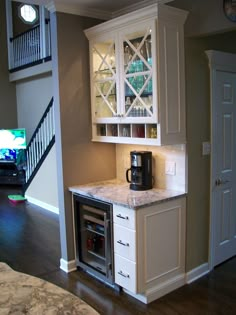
{"type": "Point", "coordinates": [28, 48]}
{"type": "Point", "coordinates": [40, 144]}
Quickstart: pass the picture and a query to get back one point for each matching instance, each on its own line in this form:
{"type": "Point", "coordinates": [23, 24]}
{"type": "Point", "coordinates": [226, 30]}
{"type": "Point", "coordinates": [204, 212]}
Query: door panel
{"type": "Point", "coordinates": [224, 145]}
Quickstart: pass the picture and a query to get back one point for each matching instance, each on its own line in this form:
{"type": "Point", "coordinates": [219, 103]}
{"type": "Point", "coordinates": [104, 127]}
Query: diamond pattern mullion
{"type": "Point", "coordinates": [108, 54]}
{"type": "Point", "coordinates": [131, 87]}
{"type": "Point", "coordinates": [104, 60]}
{"type": "Point", "coordinates": [137, 51]}
{"type": "Point", "coordinates": [105, 97]}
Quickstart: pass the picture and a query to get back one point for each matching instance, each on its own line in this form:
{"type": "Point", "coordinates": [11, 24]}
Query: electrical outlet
{"type": "Point", "coordinates": [170, 168]}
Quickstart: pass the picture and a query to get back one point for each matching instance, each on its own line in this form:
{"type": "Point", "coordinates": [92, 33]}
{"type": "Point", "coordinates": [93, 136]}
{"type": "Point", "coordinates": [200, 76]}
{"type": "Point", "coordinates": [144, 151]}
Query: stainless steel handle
{"type": "Point", "coordinates": [220, 182]}
{"type": "Point", "coordinates": [106, 223]}
{"type": "Point", "coordinates": [122, 243]}
{"type": "Point", "coordinates": [125, 275]}
{"type": "Point", "coordinates": [122, 217]}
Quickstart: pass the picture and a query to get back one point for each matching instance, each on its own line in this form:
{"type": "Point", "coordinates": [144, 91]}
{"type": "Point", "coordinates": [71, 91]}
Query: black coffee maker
{"type": "Point", "coordinates": [141, 170]}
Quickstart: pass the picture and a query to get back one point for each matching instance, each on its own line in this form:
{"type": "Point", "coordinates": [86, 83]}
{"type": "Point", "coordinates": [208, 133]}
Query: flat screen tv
{"type": "Point", "coordinates": [13, 139]}
{"type": "Point", "coordinates": [8, 155]}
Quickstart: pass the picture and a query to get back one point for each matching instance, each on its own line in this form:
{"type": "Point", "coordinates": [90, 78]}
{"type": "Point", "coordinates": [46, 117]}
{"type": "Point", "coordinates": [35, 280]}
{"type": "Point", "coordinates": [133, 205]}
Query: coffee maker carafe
{"type": "Point", "coordinates": [141, 170]}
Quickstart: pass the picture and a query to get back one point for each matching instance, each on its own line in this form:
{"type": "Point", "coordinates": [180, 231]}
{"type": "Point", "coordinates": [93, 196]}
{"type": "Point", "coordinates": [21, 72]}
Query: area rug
{"type": "Point", "coordinates": [23, 294]}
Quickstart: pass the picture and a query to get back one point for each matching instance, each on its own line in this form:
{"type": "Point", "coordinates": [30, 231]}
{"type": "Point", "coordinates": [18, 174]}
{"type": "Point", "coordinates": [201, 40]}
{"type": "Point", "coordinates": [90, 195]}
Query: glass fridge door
{"type": "Point", "coordinates": [93, 220]}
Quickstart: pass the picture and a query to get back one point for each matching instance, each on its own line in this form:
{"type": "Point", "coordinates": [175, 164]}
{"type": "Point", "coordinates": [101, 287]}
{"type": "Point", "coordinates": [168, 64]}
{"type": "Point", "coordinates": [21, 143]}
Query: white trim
{"type": "Point", "coordinates": [9, 31]}
{"type": "Point", "coordinates": [42, 32]}
{"type": "Point", "coordinates": [67, 266]}
{"type": "Point", "coordinates": [197, 273]}
{"type": "Point", "coordinates": [44, 67]}
{"type": "Point", "coordinates": [159, 290]}
{"type": "Point", "coordinates": [42, 204]}
{"type": "Point", "coordinates": [154, 11]}
{"type": "Point", "coordinates": [219, 60]}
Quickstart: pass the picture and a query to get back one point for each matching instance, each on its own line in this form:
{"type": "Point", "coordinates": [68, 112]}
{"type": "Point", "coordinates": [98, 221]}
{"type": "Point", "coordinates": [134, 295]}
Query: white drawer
{"type": "Point", "coordinates": [125, 273]}
{"type": "Point", "coordinates": [124, 216]}
{"type": "Point", "coordinates": [124, 242]}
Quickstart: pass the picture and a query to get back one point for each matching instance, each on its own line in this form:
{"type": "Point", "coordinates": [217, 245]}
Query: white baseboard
{"type": "Point", "coordinates": [160, 290]}
{"type": "Point", "coordinates": [43, 205]}
{"type": "Point", "coordinates": [197, 273]}
{"type": "Point", "coordinates": [67, 266]}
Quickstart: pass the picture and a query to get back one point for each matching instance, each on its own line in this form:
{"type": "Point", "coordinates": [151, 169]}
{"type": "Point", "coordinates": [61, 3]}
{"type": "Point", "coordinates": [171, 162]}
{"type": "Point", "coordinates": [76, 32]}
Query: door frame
{"type": "Point", "coordinates": [218, 61]}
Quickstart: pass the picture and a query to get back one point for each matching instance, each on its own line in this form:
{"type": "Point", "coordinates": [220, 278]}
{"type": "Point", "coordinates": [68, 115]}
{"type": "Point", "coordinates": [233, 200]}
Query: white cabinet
{"type": "Point", "coordinates": [137, 77]}
{"type": "Point", "coordinates": [149, 247]}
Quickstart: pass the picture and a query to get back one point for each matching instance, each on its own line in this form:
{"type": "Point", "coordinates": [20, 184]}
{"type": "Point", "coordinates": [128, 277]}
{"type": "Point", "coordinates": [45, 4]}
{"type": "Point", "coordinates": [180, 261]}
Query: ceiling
{"type": "Point", "coordinates": [106, 6]}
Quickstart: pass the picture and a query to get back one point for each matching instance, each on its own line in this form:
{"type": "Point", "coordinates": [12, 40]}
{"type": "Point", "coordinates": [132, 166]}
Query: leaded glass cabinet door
{"type": "Point", "coordinates": [104, 79]}
{"type": "Point", "coordinates": [138, 62]}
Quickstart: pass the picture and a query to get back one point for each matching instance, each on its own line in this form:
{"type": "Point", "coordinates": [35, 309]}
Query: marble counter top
{"type": "Point", "coordinates": [118, 192]}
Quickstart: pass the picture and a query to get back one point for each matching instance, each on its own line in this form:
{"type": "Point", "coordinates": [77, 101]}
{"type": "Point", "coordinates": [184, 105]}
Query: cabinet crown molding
{"type": "Point", "coordinates": [158, 11]}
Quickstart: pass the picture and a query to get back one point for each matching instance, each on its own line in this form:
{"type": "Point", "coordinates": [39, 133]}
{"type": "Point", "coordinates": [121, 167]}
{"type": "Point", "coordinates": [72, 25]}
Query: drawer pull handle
{"type": "Point", "coordinates": [121, 217]}
{"type": "Point", "coordinates": [122, 243]}
{"type": "Point", "coordinates": [125, 275]}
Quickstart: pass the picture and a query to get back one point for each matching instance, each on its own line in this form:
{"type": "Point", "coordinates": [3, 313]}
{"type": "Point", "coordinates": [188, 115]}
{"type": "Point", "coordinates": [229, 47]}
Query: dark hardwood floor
{"type": "Point", "coordinates": [29, 242]}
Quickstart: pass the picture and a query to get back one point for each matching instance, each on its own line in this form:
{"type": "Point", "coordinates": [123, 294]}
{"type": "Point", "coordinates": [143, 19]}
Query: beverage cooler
{"type": "Point", "coordinates": [93, 233]}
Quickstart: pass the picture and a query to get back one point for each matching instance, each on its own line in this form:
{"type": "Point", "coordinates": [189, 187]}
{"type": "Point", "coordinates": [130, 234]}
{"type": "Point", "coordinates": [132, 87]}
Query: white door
{"type": "Point", "coordinates": [223, 158]}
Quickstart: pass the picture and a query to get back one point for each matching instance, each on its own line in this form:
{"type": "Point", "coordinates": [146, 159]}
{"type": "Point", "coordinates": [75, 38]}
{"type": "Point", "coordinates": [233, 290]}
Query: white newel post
{"type": "Point", "coordinates": [9, 33]}
{"type": "Point", "coordinates": [42, 32]}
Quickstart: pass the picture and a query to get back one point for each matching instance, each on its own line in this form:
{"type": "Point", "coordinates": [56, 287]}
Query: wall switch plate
{"type": "Point", "coordinates": [170, 168]}
{"type": "Point", "coordinates": [206, 148]}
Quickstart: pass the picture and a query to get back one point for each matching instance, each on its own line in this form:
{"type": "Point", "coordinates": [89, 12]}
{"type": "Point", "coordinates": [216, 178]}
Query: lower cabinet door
{"type": "Point", "coordinates": [125, 273]}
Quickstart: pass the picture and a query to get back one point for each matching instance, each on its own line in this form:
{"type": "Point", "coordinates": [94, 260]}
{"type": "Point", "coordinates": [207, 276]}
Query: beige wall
{"type": "Point", "coordinates": [205, 17]}
{"type": "Point", "coordinates": [43, 189]}
{"type": "Point", "coordinates": [81, 160]}
{"type": "Point", "coordinates": [33, 96]}
{"type": "Point", "coordinates": [8, 117]}
{"type": "Point", "coordinates": [198, 130]}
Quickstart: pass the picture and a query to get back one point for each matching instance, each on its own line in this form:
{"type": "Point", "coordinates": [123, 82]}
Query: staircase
{"type": "Point", "coordinates": [40, 144]}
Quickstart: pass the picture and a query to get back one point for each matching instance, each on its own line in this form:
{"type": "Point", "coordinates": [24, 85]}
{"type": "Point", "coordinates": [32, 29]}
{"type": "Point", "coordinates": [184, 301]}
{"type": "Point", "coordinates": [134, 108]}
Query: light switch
{"type": "Point", "coordinates": [170, 168]}
{"type": "Point", "coordinates": [206, 148]}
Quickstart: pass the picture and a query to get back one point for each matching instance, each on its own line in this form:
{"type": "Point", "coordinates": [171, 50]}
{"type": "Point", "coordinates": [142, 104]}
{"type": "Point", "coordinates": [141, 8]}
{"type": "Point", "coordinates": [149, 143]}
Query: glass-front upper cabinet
{"type": "Point", "coordinates": [104, 76]}
{"type": "Point", "coordinates": [138, 77]}
{"type": "Point", "coordinates": [123, 76]}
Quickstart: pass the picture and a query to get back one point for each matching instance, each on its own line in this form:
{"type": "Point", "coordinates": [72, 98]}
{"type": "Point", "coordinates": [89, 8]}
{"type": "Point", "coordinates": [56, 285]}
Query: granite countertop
{"type": "Point", "coordinates": [118, 192]}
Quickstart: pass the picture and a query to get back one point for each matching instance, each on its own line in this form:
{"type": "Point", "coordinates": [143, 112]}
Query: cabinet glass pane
{"type": "Point", "coordinates": [104, 79]}
{"type": "Point", "coordinates": [138, 73]}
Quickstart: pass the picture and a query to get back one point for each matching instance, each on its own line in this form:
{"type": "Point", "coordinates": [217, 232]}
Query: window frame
{"type": "Point", "coordinates": [21, 16]}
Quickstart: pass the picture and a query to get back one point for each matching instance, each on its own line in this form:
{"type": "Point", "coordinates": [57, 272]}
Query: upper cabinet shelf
{"type": "Point", "coordinates": [137, 77]}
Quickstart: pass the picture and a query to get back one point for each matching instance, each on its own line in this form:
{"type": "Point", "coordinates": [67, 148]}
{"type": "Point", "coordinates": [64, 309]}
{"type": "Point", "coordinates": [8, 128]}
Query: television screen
{"type": "Point", "coordinates": [12, 139]}
{"type": "Point", "coordinates": [8, 155]}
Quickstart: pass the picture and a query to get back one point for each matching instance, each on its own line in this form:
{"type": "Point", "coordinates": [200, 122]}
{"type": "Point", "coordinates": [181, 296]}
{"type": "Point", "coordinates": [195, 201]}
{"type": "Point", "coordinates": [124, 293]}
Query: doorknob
{"type": "Point", "coordinates": [220, 182]}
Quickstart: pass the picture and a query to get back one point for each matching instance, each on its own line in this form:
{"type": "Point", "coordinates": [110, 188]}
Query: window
{"type": "Point", "coordinates": [28, 13]}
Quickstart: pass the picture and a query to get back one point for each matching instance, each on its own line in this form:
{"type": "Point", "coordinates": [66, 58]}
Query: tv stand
{"type": "Point", "coordinates": [10, 175]}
